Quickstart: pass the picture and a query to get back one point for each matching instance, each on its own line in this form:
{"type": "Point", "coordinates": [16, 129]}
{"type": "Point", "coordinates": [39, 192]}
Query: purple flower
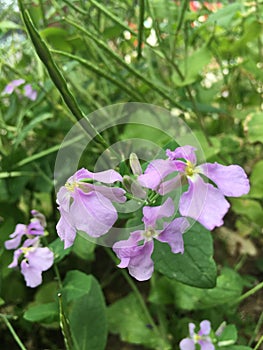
{"type": "Point", "coordinates": [135, 252]}
{"type": "Point", "coordinates": [87, 206]}
{"type": "Point", "coordinates": [202, 201]}
{"type": "Point", "coordinates": [35, 260]}
{"type": "Point", "coordinates": [33, 229]}
{"type": "Point", "coordinates": [29, 92]}
{"type": "Point", "coordinates": [10, 87]}
{"type": "Point", "coordinates": [202, 337]}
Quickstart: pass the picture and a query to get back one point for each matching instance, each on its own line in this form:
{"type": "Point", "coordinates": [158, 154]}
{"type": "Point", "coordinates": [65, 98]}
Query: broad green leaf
{"type": "Point", "coordinates": [254, 126]}
{"type": "Point", "coordinates": [256, 181]}
{"type": "Point", "coordinates": [57, 247]}
{"type": "Point", "coordinates": [249, 208]}
{"type": "Point", "coordinates": [87, 318]}
{"type": "Point", "coordinates": [228, 288]}
{"type": "Point", "coordinates": [192, 66]}
{"type": "Point", "coordinates": [57, 38]}
{"type": "Point", "coordinates": [76, 285]}
{"type": "Point", "coordinates": [228, 336]}
{"type": "Point", "coordinates": [196, 266]}
{"type": "Point", "coordinates": [83, 247]}
{"type": "Point", "coordinates": [44, 313]}
{"type": "Point", "coordinates": [47, 293]}
{"type": "Point", "coordinates": [224, 16]}
{"type": "Point", "coordinates": [126, 318]}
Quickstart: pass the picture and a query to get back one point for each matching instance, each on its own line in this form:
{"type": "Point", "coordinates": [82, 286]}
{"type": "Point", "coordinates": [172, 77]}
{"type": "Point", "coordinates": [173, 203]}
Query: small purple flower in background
{"type": "Point", "coordinates": [29, 92]}
{"type": "Point", "coordinates": [10, 87]}
{"type": "Point", "coordinates": [202, 201]}
{"type": "Point", "coordinates": [86, 206]}
{"type": "Point", "coordinates": [202, 337]}
{"type": "Point", "coordinates": [35, 259]}
{"type": "Point", "coordinates": [27, 89]}
{"type": "Point", "coordinates": [135, 252]}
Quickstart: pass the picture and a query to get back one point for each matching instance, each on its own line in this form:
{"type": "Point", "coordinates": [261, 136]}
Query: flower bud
{"type": "Point", "coordinates": [135, 164]}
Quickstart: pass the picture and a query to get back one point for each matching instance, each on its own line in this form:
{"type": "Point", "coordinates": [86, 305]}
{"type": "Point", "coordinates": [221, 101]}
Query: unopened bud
{"type": "Point", "coordinates": [40, 217]}
{"type": "Point", "coordinates": [135, 164]}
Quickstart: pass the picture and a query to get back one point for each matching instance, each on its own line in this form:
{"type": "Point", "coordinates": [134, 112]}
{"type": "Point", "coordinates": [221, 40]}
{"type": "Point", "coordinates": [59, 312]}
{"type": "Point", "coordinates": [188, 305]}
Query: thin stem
{"type": "Point", "coordinates": [257, 329]}
{"type": "Point", "coordinates": [249, 293]}
{"type": "Point", "coordinates": [136, 292]}
{"type": "Point", "coordinates": [259, 343]}
{"type": "Point", "coordinates": [13, 332]}
{"type": "Point", "coordinates": [140, 35]}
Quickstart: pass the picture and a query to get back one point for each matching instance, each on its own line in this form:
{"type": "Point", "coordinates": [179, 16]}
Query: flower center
{"type": "Point", "coordinates": [71, 186]}
{"type": "Point", "coordinates": [149, 234]}
{"type": "Point", "coordinates": [190, 168]}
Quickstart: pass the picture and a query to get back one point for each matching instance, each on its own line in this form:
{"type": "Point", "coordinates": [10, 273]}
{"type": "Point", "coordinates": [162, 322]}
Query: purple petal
{"type": "Point", "coordinates": [112, 193]}
{"type": "Point", "coordinates": [191, 328]}
{"type": "Point", "coordinates": [141, 266]}
{"type": "Point", "coordinates": [172, 235]}
{"type": "Point", "coordinates": [12, 85]}
{"type": "Point", "coordinates": [187, 344]}
{"type": "Point", "coordinates": [40, 258]}
{"type": "Point", "coordinates": [156, 171]}
{"type": "Point", "coordinates": [185, 152]}
{"type": "Point", "coordinates": [93, 213]}
{"type": "Point", "coordinates": [32, 275]}
{"type": "Point", "coordinates": [170, 185]}
{"type": "Point", "coordinates": [63, 198]}
{"type": "Point", "coordinates": [35, 228]}
{"type": "Point", "coordinates": [31, 242]}
{"type": "Point", "coordinates": [205, 328]}
{"type": "Point", "coordinates": [29, 92]}
{"type": "Point", "coordinates": [16, 256]}
{"type": "Point", "coordinates": [204, 203]}
{"type": "Point", "coordinates": [206, 345]}
{"type": "Point", "coordinates": [17, 235]}
{"type": "Point", "coordinates": [65, 229]}
{"type": "Point", "coordinates": [231, 180]}
{"type": "Point", "coordinates": [107, 176]}
{"type": "Point", "coordinates": [152, 214]}
{"type": "Point", "coordinates": [40, 217]}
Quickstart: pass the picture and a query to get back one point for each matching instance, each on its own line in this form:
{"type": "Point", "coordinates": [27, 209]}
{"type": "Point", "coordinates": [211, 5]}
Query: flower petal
{"type": "Point", "coordinates": [156, 171]}
{"type": "Point", "coordinates": [32, 275]}
{"type": "Point", "coordinates": [152, 214]}
{"type": "Point", "coordinates": [206, 345]}
{"type": "Point", "coordinates": [173, 235]}
{"type": "Point", "coordinates": [16, 256]}
{"type": "Point", "coordinates": [113, 193]}
{"type": "Point", "coordinates": [141, 266]}
{"type": "Point", "coordinates": [187, 344]}
{"type": "Point", "coordinates": [63, 198]}
{"type": "Point", "coordinates": [65, 229]}
{"type": "Point", "coordinates": [186, 152]}
{"type": "Point", "coordinates": [16, 236]}
{"type": "Point", "coordinates": [170, 185]}
{"type": "Point", "coordinates": [40, 258]}
{"type": "Point", "coordinates": [205, 328]}
{"type": "Point", "coordinates": [93, 213]}
{"type": "Point", "coordinates": [191, 328]}
{"type": "Point", "coordinates": [204, 203]}
{"type": "Point", "coordinates": [107, 176]}
{"type": "Point", "coordinates": [231, 180]}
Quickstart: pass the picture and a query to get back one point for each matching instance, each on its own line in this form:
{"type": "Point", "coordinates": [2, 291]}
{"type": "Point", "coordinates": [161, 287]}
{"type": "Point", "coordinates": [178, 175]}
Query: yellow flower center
{"type": "Point", "coordinates": [190, 168]}
{"type": "Point", "coordinates": [71, 186]}
{"type": "Point", "coordinates": [149, 234]}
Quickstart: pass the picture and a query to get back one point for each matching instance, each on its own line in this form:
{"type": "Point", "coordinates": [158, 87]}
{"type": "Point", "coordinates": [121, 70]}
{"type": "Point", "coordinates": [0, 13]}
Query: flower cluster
{"type": "Point", "coordinates": [27, 90]}
{"type": "Point", "coordinates": [32, 258]}
{"type": "Point", "coordinates": [86, 201]}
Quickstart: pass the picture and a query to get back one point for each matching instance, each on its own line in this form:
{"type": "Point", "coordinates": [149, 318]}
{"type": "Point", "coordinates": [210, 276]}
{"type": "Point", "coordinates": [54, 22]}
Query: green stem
{"type": "Point", "coordinates": [13, 332]}
{"type": "Point", "coordinates": [249, 293]}
{"type": "Point", "coordinates": [257, 329]}
{"type": "Point", "coordinates": [140, 35]}
{"type": "Point", "coordinates": [136, 292]}
{"type": "Point", "coordinates": [259, 343]}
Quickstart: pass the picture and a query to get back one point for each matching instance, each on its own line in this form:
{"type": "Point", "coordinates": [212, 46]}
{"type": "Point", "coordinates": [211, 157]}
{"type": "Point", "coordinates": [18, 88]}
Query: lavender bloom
{"type": "Point", "coordinates": [86, 206]}
{"type": "Point", "coordinates": [35, 260]}
{"type": "Point", "coordinates": [202, 337]}
{"type": "Point", "coordinates": [9, 89]}
{"type": "Point", "coordinates": [135, 252]}
{"type": "Point", "coordinates": [29, 92]}
{"type": "Point", "coordinates": [33, 229]}
{"type": "Point", "coordinates": [202, 201]}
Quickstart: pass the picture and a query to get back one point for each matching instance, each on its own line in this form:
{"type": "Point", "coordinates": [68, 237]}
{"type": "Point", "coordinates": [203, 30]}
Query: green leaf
{"type": "Point", "coordinates": [228, 336]}
{"type": "Point", "coordinates": [229, 287]}
{"type": "Point", "coordinates": [249, 208]}
{"type": "Point", "coordinates": [58, 249]}
{"type": "Point", "coordinates": [87, 318]}
{"type": "Point", "coordinates": [196, 266]}
{"type": "Point", "coordinates": [82, 247]}
{"type": "Point", "coordinates": [57, 38]}
{"type": "Point", "coordinates": [224, 16]}
{"type": "Point", "coordinates": [45, 313]}
{"type": "Point", "coordinates": [254, 126]}
{"type": "Point", "coordinates": [76, 285]}
{"type": "Point", "coordinates": [9, 25]}
{"type": "Point", "coordinates": [126, 318]}
{"type": "Point", "coordinates": [256, 181]}
{"type": "Point", "coordinates": [192, 66]}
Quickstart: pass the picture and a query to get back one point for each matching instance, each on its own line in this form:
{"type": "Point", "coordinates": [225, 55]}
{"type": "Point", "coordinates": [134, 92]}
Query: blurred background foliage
{"type": "Point", "coordinates": [200, 60]}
